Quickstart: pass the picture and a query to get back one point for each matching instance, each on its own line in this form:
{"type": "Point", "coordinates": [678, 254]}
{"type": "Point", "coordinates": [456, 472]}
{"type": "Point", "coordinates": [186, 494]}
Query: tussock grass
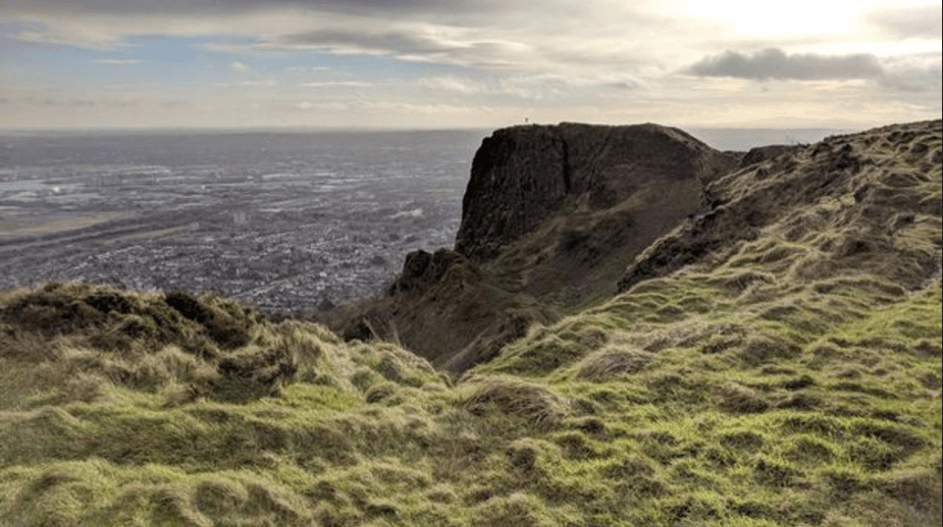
{"type": "Point", "coordinates": [533, 404]}
{"type": "Point", "coordinates": [612, 363]}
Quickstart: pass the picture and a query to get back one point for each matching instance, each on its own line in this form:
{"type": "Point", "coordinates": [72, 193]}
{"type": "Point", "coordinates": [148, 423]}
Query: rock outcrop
{"type": "Point", "coordinates": [524, 175]}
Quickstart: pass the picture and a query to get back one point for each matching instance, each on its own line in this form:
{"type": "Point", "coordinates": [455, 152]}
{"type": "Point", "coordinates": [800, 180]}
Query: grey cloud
{"type": "Point", "coordinates": [125, 7]}
{"type": "Point", "coordinates": [924, 21]}
{"type": "Point", "coordinates": [773, 63]}
{"type": "Point", "coordinates": [49, 101]}
{"type": "Point", "coordinates": [401, 42]}
{"type": "Point", "coordinates": [913, 79]}
{"type": "Point", "coordinates": [412, 45]}
{"type": "Point", "coordinates": [79, 103]}
{"type": "Point", "coordinates": [623, 85]}
{"type": "Point", "coordinates": [117, 62]}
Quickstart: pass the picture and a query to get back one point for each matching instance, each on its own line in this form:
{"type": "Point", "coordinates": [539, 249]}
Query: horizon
{"type": "Point", "coordinates": [462, 64]}
{"type": "Point", "coordinates": [729, 139]}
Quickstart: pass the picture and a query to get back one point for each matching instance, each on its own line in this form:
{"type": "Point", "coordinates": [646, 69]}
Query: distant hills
{"type": "Point", "coordinates": [632, 328]}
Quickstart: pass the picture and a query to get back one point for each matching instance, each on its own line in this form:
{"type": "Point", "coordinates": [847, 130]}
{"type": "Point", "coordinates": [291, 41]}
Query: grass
{"type": "Point", "coordinates": [793, 380]}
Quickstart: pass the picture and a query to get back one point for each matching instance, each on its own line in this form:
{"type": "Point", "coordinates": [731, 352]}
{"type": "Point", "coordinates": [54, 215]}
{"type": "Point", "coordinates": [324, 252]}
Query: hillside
{"type": "Point", "coordinates": [773, 359]}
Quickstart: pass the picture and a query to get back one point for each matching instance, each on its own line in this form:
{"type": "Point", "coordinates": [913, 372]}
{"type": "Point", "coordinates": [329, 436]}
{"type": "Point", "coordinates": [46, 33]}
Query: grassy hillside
{"type": "Point", "coordinates": [782, 369]}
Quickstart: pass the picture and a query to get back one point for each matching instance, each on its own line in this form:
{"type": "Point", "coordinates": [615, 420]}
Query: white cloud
{"type": "Point", "coordinates": [902, 21]}
{"type": "Point", "coordinates": [239, 68]}
{"type": "Point", "coordinates": [118, 62]}
{"type": "Point", "coordinates": [303, 69]}
{"type": "Point", "coordinates": [453, 84]}
{"type": "Point", "coordinates": [324, 84]}
{"type": "Point", "coordinates": [262, 83]}
{"type": "Point", "coordinates": [228, 49]}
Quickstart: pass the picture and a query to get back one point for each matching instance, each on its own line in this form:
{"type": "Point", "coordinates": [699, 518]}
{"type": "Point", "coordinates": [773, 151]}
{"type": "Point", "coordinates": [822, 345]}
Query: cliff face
{"type": "Point", "coordinates": [522, 176]}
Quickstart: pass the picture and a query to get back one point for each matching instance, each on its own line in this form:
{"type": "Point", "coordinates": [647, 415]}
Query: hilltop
{"type": "Point", "coordinates": [766, 352]}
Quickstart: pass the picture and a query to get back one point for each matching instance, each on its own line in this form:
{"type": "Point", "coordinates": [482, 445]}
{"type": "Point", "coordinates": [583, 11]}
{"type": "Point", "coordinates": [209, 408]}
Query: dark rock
{"type": "Point", "coordinates": [359, 330]}
{"type": "Point", "coordinates": [523, 176]}
{"type": "Point", "coordinates": [422, 270]}
{"type": "Point", "coordinates": [763, 153]}
{"type": "Point", "coordinates": [326, 305]}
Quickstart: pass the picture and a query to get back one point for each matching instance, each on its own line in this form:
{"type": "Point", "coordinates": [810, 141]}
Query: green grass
{"type": "Point", "coordinates": [793, 380]}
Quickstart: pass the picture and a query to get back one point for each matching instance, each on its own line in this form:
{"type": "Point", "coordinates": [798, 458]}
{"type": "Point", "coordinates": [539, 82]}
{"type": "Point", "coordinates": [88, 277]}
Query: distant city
{"type": "Point", "coordinates": [288, 222]}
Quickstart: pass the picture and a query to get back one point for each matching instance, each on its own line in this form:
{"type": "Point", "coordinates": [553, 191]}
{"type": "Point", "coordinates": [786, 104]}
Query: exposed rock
{"type": "Point", "coordinates": [764, 153]}
{"type": "Point", "coordinates": [423, 270]}
{"type": "Point", "coordinates": [522, 176]}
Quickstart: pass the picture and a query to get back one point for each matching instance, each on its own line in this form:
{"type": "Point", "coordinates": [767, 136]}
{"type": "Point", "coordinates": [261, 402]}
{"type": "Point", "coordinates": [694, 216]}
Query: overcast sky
{"type": "Point", "coordinates": [465, 63]}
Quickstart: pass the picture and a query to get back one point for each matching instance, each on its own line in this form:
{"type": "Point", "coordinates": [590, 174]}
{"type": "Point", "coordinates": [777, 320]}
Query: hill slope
{"type": "Point", "coordinates": [773, 361]}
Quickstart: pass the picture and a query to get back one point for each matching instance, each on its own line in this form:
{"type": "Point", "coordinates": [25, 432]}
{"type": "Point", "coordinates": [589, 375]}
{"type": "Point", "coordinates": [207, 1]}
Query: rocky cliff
{"type": "Point", "coordinates": [551, 217]}
{"type": "Point", "coordinates": [523, 176]}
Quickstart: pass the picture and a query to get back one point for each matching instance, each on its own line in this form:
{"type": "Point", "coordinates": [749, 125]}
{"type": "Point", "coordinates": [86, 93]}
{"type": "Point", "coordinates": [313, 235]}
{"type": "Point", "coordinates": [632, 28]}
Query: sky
{"type": "Point", "coordinates": [426, 64]}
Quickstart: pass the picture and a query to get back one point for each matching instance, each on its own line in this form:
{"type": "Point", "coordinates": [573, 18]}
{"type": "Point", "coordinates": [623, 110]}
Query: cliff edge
{"type": "Point", "coordinates": [551, 217]}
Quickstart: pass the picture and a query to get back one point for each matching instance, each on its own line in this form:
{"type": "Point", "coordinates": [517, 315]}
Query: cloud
{"type": "Point", "coordinates": [773, 63]}
{"type": "Point", "coordinates": [524, 86]}
{"type": "Point", "coordinates": [228, 49]}
{"type": "Point", "coordinates": [913, 79]}
{"type": "Point", "coordinates": [623, 85]}
{"type": "Point", "coordinates": [905, 74]}
{"type": "Point", "coordinates": [524, 36]}
{"type": "Point", "coordinates": [252, 83]}
{"type": "Point", "coordinates": [117, 62]}
{"type": "Point", "coordinates": [213, 7]}
{"type": "Point", "coordinates": [263, 83]}
{"type": "Point", "coordinates": [351, 84]}
{"type": "Point", "coordinates": [361, 41]}
{"type": "Point", "coordinates": [239, 68]}
{"type": "Point", "coordinates": [74, 103]}
{"type": "Point", "coordinates": [910, 22]}
{"type": "Point", "coordinates": [454, 84]}
{"type": "Point", "coordinates": [302, 69]}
